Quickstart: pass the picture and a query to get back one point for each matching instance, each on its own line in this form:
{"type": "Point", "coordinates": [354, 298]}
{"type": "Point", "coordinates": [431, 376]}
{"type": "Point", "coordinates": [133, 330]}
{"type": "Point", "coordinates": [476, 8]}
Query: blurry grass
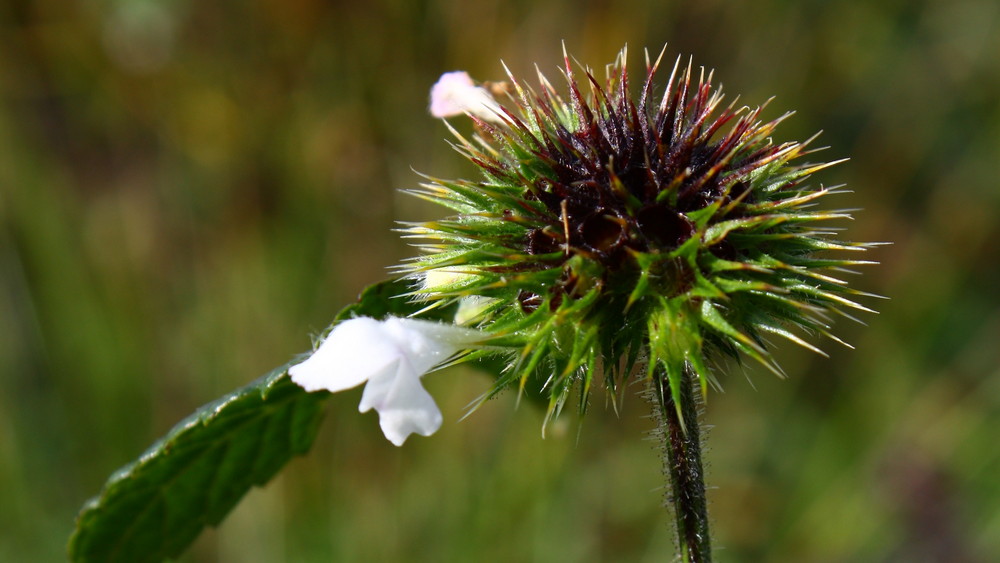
{"type": "Point", "coordinates": [187, 191]}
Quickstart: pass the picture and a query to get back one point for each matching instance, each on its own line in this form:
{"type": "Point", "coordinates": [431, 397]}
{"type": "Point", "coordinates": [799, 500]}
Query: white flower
{"type": "Point", "coordinates": [456, 94]}
{"type": "Point", "coordinates": [391, 355]}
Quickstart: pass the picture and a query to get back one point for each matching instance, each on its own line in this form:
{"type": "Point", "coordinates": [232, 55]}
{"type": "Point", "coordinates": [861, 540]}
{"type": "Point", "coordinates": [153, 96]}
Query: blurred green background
{"type": "Point", "coordinates": [189, 190]}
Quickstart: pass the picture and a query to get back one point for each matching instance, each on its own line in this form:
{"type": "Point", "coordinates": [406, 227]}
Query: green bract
{"type": "Point", "coordinates": [631, 237]}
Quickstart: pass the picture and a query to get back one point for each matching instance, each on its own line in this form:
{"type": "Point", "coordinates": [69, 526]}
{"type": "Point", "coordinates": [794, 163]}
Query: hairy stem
{"type": "Point", "coordinates": [682, 462]}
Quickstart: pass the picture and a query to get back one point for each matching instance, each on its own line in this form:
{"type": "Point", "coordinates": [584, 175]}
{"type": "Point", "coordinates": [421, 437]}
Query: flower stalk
{"type": "Point", "coordinates": [680, 432]}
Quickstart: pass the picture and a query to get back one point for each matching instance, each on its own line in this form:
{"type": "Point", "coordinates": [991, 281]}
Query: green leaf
{"type": "Point", "coordinates": [156, 506]}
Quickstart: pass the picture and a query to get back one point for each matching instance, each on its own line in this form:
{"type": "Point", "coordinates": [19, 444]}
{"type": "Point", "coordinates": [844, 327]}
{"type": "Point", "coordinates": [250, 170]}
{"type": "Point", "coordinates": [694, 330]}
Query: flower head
{"type": "Point", "coordinates": [391, 356]}
{"type": "Point", "coordinates": [610, 233]}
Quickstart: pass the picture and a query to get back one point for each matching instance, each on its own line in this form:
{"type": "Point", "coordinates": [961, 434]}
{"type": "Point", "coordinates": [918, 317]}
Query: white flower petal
{"type": "Point", "coordinates": [408, 408]}
{"type": "Point", "coordinates": [354, 351]}
{"type": "Point", "coordinates": [425, 344]}
{"type": "Point", "coordinates": [378, 388]}
{"type": "Point", "coordinates": [391, 355]}
{"type": "Point", "coordinates": [456, 94]}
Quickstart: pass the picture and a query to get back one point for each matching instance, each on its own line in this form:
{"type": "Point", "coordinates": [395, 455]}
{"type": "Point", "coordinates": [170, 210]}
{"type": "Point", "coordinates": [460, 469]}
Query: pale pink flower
{"type": "Point", "coordinates": [456, 94]}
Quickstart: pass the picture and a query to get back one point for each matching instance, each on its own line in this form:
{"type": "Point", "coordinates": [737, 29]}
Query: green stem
{"type": "Point", "coordinates": [682, 461]}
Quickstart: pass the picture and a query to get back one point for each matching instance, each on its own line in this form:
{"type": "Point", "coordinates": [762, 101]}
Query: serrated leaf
{"type": "Point", "coordinates": [153, 508]}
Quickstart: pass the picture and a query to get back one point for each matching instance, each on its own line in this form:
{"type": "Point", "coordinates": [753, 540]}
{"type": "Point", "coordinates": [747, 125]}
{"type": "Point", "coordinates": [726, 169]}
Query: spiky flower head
{"type": "Point", "coordinates": [631, 236]}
